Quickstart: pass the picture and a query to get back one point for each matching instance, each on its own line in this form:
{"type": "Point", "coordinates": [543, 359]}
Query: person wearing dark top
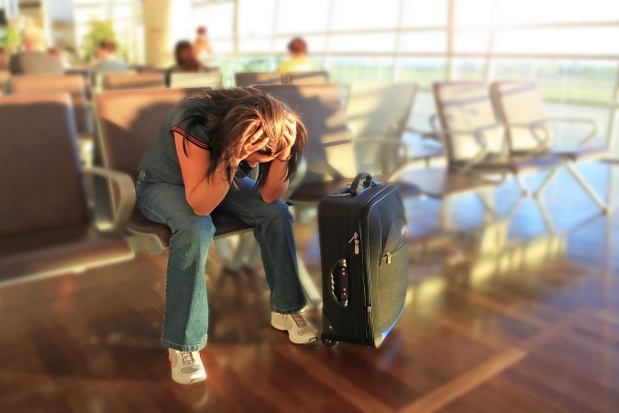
{"type": "Point", "coordinates": [197, 167]}
{"type": "Point", "coordinates": [186, 58]}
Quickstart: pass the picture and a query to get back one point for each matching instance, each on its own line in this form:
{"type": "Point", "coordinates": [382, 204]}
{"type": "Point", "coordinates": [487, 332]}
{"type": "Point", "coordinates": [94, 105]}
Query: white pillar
{"type": "Point", "coordinates": [165, 23]}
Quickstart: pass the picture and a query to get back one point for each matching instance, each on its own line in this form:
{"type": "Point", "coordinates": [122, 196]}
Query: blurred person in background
{"type": "Point", "coordinates": [202, 44]}
{"type": "Point", "coordinates": [106, 59]}
{"type": "Point", "coordinates": [58, 54]}
{"type": "Point", "coordinates": [298, 61]}
{"type": "Point", "coordinates": [34, 58]}
{"type": "Point", "coordinates": [4, 59]}
{"type": "Point", "coordinates": [186, 58]}
{"type": "Point", "coordinates": [198, 164]}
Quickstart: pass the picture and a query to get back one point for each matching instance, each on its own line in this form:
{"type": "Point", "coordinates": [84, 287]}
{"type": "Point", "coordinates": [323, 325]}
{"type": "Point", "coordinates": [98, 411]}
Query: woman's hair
{"type": "Point", "coordinates": [179, 49]}
{"type": "Point", "coordinates": [228, 117]}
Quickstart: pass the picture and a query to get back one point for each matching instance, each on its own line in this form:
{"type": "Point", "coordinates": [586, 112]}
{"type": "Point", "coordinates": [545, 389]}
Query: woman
{"type": "Point", "coordinates": [186, 59]}
{"type": "Point", "coordinates": [207, 146]}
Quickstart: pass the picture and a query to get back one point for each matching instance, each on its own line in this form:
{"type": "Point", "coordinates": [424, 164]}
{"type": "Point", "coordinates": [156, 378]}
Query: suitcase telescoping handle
{"type": "Point", "coordinates": [340, 269]}
{"type": "Point", "coordinates": [368, 181]}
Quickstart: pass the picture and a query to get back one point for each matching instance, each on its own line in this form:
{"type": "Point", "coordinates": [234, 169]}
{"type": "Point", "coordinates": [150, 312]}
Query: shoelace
{"type": "Point", "coordinates": [187, 358]}
{"type": "Point", "coordinates": [299, 320]}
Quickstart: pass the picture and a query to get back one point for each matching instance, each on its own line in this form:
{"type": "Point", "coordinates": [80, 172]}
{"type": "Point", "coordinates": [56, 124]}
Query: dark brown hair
{"type": "Point", "coordinates": [229, 116]}
{"type": "Point", "coordinates": [298, 46]}
{"type": "Point", "coordinates": [180, 47]}
{"type": "Point", "coordinates": [108, 44]}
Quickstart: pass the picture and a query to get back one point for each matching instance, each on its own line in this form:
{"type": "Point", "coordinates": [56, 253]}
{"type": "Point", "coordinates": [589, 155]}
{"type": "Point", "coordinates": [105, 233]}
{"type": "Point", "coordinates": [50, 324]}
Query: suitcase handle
{"type": "Point", "coordinates": [341, 268]}
{"type": "Point", "coordinates": [367, 182]}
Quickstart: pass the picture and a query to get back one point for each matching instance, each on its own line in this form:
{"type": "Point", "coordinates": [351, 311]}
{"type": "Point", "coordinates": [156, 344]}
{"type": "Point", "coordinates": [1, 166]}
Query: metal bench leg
{"type": "Point", "coordinates": [241, 251]}
{"type": "Point", "coordinates": [487, 200]}
{"type": "Point", "coordinates": [309, 287]}
{"type": "Point", "coordinates": [253, 257]}
{"type": "Point", "coordinates": [224, 252]}
{"type": "Point", "coordinates": [545, 215]}
{"type": "Point", "coordinates": [588, 189]}
{"type": "Point", "coordinates": [546, 182]}
{"type": "Point", "coordinates": [311, 291]}
{"type": "Point", "coordinates": [522, 185]}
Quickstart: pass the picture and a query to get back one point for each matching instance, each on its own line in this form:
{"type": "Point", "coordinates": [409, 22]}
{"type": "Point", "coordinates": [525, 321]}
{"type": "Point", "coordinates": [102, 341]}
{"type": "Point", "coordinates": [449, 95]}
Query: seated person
{"type": "Point", "coordinates": [298, 62]}
{"type": "Point", "coordinates": [34, 58]}
{"type": "Point", "coordinates": [198, 166]}
{"type": "Point", "coordinates": [186, 60]}
{"type": "Point", "coordinates": [106, 59]}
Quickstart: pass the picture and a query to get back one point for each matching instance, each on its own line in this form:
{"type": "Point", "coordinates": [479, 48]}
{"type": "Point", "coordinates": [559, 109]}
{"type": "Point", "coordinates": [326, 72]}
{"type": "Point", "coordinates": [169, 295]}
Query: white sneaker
{"type": "Point", "coordinates": [300, 331]}
{"type": "Point", "coordinates": [187, 367]}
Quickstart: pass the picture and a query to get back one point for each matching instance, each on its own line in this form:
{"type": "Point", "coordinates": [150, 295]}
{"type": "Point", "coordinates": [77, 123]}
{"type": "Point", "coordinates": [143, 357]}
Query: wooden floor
{"type": "Point", "coordinates": [502, 316]}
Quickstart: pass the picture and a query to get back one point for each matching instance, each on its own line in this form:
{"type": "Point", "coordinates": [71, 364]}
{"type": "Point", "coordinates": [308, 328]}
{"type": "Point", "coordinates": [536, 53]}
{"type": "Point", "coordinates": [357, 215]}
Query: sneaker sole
{"type": "Point", "coordinates": [193, 380]}
{"type": "Point", "coordinates": [294, 339]}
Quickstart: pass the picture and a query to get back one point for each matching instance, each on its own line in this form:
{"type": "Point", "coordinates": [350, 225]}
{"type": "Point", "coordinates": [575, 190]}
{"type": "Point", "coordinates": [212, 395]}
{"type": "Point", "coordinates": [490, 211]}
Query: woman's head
{"type": "Point", "coordinates": [185, 54]}
{"type": "Point", "coordinates": [230, 117]}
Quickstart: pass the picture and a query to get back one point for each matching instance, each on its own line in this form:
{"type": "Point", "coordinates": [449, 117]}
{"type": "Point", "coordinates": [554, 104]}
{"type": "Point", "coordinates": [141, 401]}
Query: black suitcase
{"type": "Point", "coordinates": [364, 257]}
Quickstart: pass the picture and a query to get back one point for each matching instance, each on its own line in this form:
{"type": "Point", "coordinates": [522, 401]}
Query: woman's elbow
{"type": "Point", "coordinates": [201, 211]}
{"type": "Point", "coordinates": [199, 208]}
{"type": "Point", "coordinates": [269, 198]}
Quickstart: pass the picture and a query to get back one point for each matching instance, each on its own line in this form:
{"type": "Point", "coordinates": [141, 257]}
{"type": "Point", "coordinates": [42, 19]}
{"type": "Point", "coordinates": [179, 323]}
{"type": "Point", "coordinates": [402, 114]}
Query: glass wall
{"type": "Point", "coordinates": [566, 46]}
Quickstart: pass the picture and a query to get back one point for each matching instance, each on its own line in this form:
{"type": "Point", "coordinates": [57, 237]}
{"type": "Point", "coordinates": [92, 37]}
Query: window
{"type": "Point", "coordinates": [423, 13]}
{"type": "Point", "coordinates": [364, 14]}
{"type": "Point", "coordinates": [295, 17]}
{"type": "Point", "coordinates": [555, 11]}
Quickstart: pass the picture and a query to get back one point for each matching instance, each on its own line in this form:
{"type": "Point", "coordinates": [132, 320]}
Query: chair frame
{"type": "Point", "coordinates": [545, 143]}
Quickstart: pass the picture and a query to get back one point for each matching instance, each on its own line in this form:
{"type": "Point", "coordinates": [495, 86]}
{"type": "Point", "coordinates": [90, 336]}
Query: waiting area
{"type": "Point", "coordinates": [509, 197]}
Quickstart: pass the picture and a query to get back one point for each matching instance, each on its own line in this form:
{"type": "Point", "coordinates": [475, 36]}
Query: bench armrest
{"type": "Point", "coordinates": [536, 126]}
{"type": "Point", "coordinates": [480, 135]}
{"type": "Point", "coordinates": [122, 201]}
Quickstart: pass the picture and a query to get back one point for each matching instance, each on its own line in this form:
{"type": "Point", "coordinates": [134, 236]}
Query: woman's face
{"type": "Point", "coordinates": [187, 55]}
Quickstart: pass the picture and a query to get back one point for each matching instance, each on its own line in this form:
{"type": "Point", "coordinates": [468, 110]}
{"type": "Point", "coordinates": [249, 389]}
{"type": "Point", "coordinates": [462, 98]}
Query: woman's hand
{"type": "Point", "coordinates": [253, 144]}
{"type": "Point", "coordinates": [290, 135]}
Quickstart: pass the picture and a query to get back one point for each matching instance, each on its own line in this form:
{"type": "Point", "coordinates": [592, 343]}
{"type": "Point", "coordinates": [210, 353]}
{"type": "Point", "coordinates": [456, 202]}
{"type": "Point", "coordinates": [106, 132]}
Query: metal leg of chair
{"type": "Point", "coordinates": [224, 252]}
{"type": "Point", "coordinates": [253, 257]}
{"type": "Point", "coordinates": [522, 185]}
{"type": "Point", "coordinates": [487, 202]}
{"type": "Point", "coordinates": [540, 189]}
{"type": "Point", "coordinates": [241, 252]}
{"type": "Point", "coordinates": [545, 215]}
{"type": "Point", "coordinates": [588, 189]}
{"type": "Point", "coordinates": [612, 180]}
{"type": "Point", "coordinates": [514, 208]}
{"type": "Point", "coordinates": [311, 291]}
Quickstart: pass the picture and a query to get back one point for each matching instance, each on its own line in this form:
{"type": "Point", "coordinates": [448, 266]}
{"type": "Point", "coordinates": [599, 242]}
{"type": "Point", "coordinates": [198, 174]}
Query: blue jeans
{"type": "Point", "coordinates": [185, 319]}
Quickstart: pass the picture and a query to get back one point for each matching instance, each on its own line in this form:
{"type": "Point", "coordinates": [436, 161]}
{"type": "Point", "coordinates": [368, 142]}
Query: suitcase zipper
{"type": "Point", "coordinates": [355, 239]}
{"type": "Point", "coordinates": [395, 249]}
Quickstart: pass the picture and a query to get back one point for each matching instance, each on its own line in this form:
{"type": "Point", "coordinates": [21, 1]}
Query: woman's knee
{"type": "Point", "coordinates": [194, 230]}
{"type": "Point", "coordinates": [278, 212]}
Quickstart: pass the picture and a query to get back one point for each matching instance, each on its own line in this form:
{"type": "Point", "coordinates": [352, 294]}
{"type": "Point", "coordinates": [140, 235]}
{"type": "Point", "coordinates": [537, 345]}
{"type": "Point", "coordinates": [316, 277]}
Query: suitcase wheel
{"type": "Point", "coordinates": [327, 341]}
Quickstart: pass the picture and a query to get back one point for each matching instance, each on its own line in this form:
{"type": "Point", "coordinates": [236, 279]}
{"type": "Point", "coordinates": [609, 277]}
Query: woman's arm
{"type": "Point", "coordinates": [202, 195]}
{"type": "Point", "coordinates": [276, 183]}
